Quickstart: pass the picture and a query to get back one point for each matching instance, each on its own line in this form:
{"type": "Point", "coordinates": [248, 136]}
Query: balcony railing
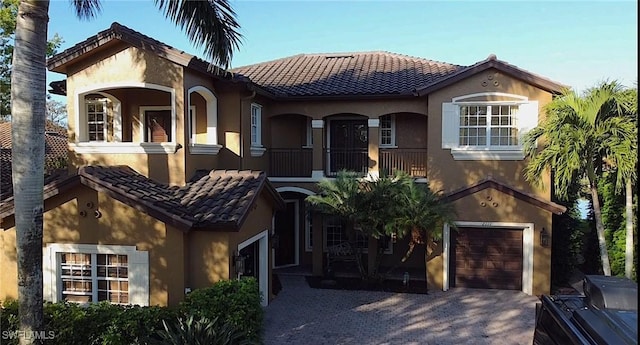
{"type": "Point", "coordinates": [294, 162]}
{"type": "Point", "coordinates": [346, 159]}
{"type": "Point", "coordinates": [411, 161]}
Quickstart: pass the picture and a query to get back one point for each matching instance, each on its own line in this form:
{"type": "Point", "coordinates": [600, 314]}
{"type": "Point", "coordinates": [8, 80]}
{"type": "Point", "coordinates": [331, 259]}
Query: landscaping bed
{"type": "Point", "coordinates": [356, 283]}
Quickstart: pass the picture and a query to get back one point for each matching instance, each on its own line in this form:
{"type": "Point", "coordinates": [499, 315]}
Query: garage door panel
{"type": "Point", "coordinates": [487, 258]}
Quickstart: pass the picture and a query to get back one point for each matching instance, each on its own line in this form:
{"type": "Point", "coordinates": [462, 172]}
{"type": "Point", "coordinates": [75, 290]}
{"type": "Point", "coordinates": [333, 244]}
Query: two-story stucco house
{"type": "Point", "coordinates": [176, 171]}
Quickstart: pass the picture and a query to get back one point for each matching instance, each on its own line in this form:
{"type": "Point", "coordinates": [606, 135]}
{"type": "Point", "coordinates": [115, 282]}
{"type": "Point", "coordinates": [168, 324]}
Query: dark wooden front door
{"type": "Point", "coordinates": [158, 126]}
{"type": "Point", "coordinates": [285, 231]}
{"type": "Point", "coordinates": [348, 145]}
{"type": "Point", "coordinates": [251, 261]}
{"type": "Point", "coordinates": [488, 258]}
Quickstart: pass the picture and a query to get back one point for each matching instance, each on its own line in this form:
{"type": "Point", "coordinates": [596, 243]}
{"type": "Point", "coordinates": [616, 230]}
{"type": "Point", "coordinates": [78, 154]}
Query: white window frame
{"type": "Point", "coordinates": [192, 125]}
{"type": "Point", "coordinates": [392, 130]}
{"type": "Point", "coordinates": [137, 261]}
{"type": "Point", "coordinates": [309, 139]}
{"type": "Point", "coordinates": [526, 120]}
{"type": "Point", "coordinates": [255, 132]}
{"type": "Point", "coordinates": [104, 122]}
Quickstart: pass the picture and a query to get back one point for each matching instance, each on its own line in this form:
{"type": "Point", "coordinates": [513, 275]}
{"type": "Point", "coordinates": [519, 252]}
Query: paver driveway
{"type": "Point", "coordinates": [302, 315]}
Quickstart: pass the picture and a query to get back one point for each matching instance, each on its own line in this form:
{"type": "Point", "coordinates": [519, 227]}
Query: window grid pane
{"type": "Point", "coordinates": [96, 120]}
{"type": "Point", "coordinates": [386, 130]}
{"type": "Point", "coordinates": [84, 276]}
{"type": "Point", "coordinates": [497, 129]}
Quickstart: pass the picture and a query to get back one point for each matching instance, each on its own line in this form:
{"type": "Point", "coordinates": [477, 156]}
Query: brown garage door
{"type": "Point", "coordinates": [487, 258]}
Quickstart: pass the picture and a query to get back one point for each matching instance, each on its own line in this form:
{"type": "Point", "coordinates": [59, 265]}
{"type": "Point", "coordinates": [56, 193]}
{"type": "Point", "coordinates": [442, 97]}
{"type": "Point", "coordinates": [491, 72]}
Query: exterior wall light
{"type": "Point", "coordinates": [238, 261]}
{"type": "Point", "coordinates": [544, 238]}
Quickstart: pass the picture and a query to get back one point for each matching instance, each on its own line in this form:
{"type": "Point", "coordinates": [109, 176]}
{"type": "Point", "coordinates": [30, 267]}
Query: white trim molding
{"type": "Point", "coordinates": [137, 264]}
{"type": "Point", "coordinates": [212, 111]}
{"type": "Point", "coordinates": [257, 151]}
{"type": "Point", "coordinates": [204, 149]}
{"type": "Point", "coordinates": [527, 250]}
{"type": "Point", "coordinates": [482, 94]}
{"type": "Point", "coordinates": [126, 147]}
{"type": "Point", "coordinates": [264, 280]}
{"type": "Point", "coordinates": [295, 190]}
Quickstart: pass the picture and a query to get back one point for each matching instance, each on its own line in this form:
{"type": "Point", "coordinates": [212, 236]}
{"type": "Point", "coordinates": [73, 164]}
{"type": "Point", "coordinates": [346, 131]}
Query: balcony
{"type": "Point", "coordinates": [411, 161]}
{"type": "Point", "coordinates": [290, 162]}
{"type": "Point", "coordinates": [346, 159]}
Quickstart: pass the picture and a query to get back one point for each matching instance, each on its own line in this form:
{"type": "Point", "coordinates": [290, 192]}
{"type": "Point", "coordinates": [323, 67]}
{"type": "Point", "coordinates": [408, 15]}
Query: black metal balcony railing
{"type": "Point", "coordinates": [346, 159]}
{"type": "Point", "coordinates": [290, 162]}
{"type": "Point", "coordinates": [411, 161]}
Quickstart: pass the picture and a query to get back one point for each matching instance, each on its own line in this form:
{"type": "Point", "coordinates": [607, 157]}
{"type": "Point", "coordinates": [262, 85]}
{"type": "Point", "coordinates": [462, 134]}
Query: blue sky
{"type": "Point", "coordinates": [577, 43]}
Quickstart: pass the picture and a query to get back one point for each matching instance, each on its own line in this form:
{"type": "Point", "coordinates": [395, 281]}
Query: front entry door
{"type": "Point", "coordinates": [348, 145]}
{"type": "Point", "coordinates": [285, 228]}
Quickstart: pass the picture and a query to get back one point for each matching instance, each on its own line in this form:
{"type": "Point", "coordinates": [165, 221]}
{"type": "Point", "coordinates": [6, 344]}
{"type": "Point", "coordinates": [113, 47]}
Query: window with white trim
{"type": "Point", "coordinates": [94, 273]}
{"type": "Point", "coordinates": [491, 130]}
{"type": "Point", "coordinates": [388, 130]}
{"type": "Point", "coordinates": [309, 141]}
{"type": "Point", "coordinates": [96, 119]}
{"type": "Point", "coordinates": [489, 125]}
{"type": "Point", "coordinates": [256, 122]}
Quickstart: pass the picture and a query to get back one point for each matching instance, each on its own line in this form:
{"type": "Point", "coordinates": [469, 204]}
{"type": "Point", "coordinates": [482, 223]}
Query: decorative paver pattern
{"type": "Point", "coordinates": [302, 315]}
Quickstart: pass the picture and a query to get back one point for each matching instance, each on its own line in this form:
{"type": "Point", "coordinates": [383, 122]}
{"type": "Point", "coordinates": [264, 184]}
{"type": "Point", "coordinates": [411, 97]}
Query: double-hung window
{"type": "Point", "coordinates": [97, 119]}
{"type": "Point", "coordinates": [388, 130]}
{"type": "Point", "coordinates": [487, 130]}
{"type": "Point", "coordinates": [256, 131]}
{"type": "Point", "coordinates": [84, 273]}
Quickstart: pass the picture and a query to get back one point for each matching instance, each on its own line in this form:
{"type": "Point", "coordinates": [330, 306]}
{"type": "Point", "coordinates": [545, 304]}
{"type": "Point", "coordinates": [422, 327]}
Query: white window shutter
{"type": "Point", "coordinates": [527, 118]}
{"type": "Point", "coordinates": [450, 126]}
{"type": "Point", "coordinates": [139, 278]}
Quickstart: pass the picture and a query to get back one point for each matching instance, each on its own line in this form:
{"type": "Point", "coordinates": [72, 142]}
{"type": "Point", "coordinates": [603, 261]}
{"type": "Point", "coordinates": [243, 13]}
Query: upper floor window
{"type": "Point", "coordinates": [256, 122]}
{"type": "Point", "coordinates": [96, 119]}
{"type": "Point", "coordinates": [388, 130]}
{"type": "Point", "coordinates": [475, 129]}
{"type": "Point", "coordinates": [489, 125]}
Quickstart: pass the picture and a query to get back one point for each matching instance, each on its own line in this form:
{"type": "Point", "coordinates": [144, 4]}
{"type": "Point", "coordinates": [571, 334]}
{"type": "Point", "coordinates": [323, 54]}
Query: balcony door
{"type": "Point", "coordinates": [348, 145]}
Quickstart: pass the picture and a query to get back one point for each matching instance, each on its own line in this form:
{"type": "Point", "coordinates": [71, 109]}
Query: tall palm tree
{"type": "Point", "coordinates": [581, 136]}
{"type": "Point", "coordinates": [632, 107]}
{"type": "Point", "coordinates": [209, 24]}
{"type": "Point", "coordinates": [420, 213]}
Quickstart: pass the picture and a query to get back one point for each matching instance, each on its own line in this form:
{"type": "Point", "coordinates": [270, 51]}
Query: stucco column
{"type": "Point", "coordinates": [318, 244]}
{"type": "Point", "coordinates": [374, 140]}
{"type": "Point", "coordinates": [316, 128]}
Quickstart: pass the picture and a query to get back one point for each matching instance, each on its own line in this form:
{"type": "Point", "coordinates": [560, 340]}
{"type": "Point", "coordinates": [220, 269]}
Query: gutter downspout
{"type": "Point", "coordinates": [242, 99]}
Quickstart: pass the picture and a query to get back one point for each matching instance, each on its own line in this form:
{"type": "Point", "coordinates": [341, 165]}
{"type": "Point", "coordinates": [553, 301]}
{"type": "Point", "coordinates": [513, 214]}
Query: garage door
{"type": "Point", "coordinates": [487, 258]}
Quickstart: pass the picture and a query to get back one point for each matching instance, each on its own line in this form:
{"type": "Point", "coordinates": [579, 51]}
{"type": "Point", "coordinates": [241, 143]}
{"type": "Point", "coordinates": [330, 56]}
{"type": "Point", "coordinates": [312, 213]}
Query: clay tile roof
{"type": "Point", "coordinates": [220, 199]}
{"type": "Point", "coordinates": [56, 148]}
{"type": "Point", "coordinates": [346, 74]}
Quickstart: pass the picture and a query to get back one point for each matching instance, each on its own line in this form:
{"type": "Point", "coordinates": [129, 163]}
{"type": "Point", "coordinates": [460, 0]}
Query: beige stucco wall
{"type": "Point", "coordinates": [131, 68]}
{"type": "Point", "coordinates": [118, 225]}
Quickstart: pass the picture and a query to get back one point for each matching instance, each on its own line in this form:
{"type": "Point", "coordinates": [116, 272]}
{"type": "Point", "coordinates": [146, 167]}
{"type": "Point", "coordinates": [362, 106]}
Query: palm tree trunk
{"type": "Point", "coordinates": [604, 256]}
{"type": "Point", "coordinates": [28, 102]}
{"type": "Point", "coordinates": [628, 254]}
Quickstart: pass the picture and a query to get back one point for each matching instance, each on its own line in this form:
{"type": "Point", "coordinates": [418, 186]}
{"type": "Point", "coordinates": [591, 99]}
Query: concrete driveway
{"type": "Point", "coordinates": [302, 315]}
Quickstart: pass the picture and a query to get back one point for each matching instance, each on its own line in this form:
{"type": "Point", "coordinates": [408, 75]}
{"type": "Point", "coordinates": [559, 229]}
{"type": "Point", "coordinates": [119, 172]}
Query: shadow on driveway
{"type": "Point", "coordinates": [302, 315]}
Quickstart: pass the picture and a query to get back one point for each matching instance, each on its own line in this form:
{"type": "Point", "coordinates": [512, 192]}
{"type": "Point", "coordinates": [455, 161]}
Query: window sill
{"type": "Point", "coordinates": [487, 155]}
{"type": "Point", "coordinates": [115, 148]}
{"type": "Point", "coordinates": [257, 151]}
{"type": "Point", "coordinates": [388, 146]}
{"type": "Point", "coordinates": [204, 149]}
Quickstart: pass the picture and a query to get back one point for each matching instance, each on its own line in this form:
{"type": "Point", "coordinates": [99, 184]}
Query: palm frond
{"type": "Point", "coordinates": [87, 9]}
{"type": "Point", "coordinates": [210, 24]}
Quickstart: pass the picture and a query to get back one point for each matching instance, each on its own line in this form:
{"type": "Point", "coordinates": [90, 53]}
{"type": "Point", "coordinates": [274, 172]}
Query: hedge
{"type": "Point", "coordinates": [235, 304]}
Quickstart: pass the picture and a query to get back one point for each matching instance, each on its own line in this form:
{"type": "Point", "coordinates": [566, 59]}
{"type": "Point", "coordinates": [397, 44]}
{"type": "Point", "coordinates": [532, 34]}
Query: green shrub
{"type": "Point", "coordinates": [228, 308]}
{"type": "Point", "coordinates": [233, 301]}
{"type": "Point", "coordinates": [202, 331]}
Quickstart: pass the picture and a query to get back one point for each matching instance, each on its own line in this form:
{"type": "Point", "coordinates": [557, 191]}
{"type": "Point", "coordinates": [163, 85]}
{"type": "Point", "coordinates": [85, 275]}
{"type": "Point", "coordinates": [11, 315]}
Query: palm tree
{"type": "Point", "coordinates": [420, 213]}
{"type": "Point", "coordinates": [580, 137]}
{"type": "Point", "coordinates": [632, 107]}
{"type": "Point", "coordinates": [211, 24]}
{"type": "Point", "coordinates": [342, 197]}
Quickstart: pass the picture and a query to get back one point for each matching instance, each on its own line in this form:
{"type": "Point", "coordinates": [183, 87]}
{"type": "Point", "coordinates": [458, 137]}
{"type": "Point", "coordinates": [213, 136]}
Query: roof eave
{"type": "Point", "coordinates": [542, 83]}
